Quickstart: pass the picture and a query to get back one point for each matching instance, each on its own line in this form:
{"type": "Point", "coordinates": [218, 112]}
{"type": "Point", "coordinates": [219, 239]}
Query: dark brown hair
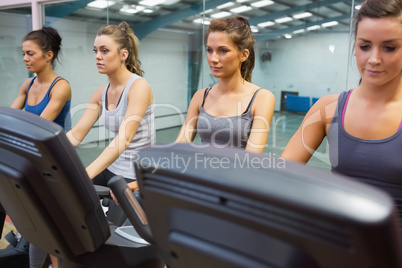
{"type": "Point", "coordinates": [239, 31]}
{"type": "Point", "coordinates": [376, 9]}
{"type": "Point", "coordinates": [48, 39]}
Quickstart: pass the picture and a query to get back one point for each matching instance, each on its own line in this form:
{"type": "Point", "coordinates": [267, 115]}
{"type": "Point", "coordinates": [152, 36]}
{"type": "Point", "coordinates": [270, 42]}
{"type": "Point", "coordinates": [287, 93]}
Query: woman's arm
{"type": "Point", "coordinates": [264, 105]}
{"type": "Point", "coordinates": [91, 114]}
{"type": "Point", "coordinates": [312, 130]}
{"type": "Point", "coordinates": [19, 102]}
{"type": "Point", "coordinates": [139, 97]}
{"type": "Point", "coordinates": [189, 129]}
{"type": "Point", "coordinates": [59, 95]}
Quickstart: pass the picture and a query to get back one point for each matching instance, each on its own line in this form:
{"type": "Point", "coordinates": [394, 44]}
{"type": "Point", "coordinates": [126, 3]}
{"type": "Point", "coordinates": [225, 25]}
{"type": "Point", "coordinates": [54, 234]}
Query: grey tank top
{"type": "Point", "coordinates": [225, 131]}
{"type": "Point", "coordinates": [145, 135]}
{"type": "Point", "coordinates": [376, 162]}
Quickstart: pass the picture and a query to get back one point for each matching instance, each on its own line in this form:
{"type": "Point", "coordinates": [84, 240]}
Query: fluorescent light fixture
{"type": "Point", "coordinates": [171, 2]}
{"type": "Point", "coordinates": [284, 19]}
{"type": "Point", "coordinates": [147, 10]}
{"type": "Point", "coordinates": [265, 24]}
{"type": "Point", "coordinates": [254, 29]}
{"type": "Point", "coordinates": [302, 15]}
{"type": "Point", "coordinates": [151, 3]}
{"type": "Point", "coordinates": [221, 14]}
{"type": "Point", "coordinates": [242, 1]}
{"type": "Point", "coordinates": [101, 4]}
{"type": "Point", "coordinates": [229, 4]}
{"type": "Point", "coordinates": [329, 24]}
{"type": "Point", "coordinates": [299, 31]}
{"type": "Point", "coordinates": [358, 7]}
{"type": "Point", "coordinates": [128, 10]}
{"type": "Point", "coordinates": [202, 21]}
{"type": "Point", "coordinates": [263, 3]}
{"type": "Point", "coordinates": [312, 28]}
{"type": "Point", "coordinates": [208, 11]}
{"type": "Point", "coordinates": [131, 9]}
{"type": "Point", "coordinates": [287, 36]}
{"type": "Point", "coordinates": [241, 9]}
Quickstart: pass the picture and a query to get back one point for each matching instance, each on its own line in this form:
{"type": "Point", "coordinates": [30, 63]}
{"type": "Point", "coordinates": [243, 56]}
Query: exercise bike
{"type": "Point", "coordinates": [53, 204]}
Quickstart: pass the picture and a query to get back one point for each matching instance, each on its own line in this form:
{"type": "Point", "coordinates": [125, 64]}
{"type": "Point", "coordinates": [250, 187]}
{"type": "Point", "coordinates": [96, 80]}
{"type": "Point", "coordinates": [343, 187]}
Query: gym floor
{"type": "Point", "coordinates": [283, 126]}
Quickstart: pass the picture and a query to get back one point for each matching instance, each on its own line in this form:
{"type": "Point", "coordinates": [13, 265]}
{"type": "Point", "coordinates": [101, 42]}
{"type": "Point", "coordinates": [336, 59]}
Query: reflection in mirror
{"type": "Point", "coordinates": [303, 47]}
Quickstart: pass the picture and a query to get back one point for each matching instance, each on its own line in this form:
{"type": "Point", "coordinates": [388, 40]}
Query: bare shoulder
{"type": "Point", "coordinates": [323, 110]}
{"type": "Point", "coordinates": [25, 85]}
{"type": "Point", "coordinates": [140, 82]}
{"type": "Point", "coordinates": [327, 99]}
{"type": "Point", "coordinates": [264, 94]}
{"type": "Point", "coordinates": [264, 98]}
{"type": "Point", "coordinates": [97, 95]}
{"type": "Point", "coordinates": [327, 104]}
{"type": "Point", "coordinates": [140, 91]}
{"type": "Point", "coordinates": [198, 96]}
{"type": "Point", "coordinates": [62, 88]}
{"type": "Point", "coordinates": [62, 83]}
{"type": "Point", "coordinates": [200, 93]}
{"type": "Point", "coordinates": [140, 88]}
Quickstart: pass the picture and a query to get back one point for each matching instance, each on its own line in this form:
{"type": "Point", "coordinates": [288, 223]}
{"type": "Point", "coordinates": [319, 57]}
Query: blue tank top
{"type": "Point", "coordinates": [64, 117]}
{"type": "Point", "coordinates": [376, 162]}
{"type": "Point", "coordinates": [225, 131]}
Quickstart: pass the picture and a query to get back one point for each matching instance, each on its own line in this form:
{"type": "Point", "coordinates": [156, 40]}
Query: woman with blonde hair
{"type": "Point", "coordinates": [125, 104]}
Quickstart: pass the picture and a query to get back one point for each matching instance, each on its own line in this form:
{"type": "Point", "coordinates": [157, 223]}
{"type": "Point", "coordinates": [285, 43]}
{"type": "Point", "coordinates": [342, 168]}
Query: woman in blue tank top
{"type": "Point", "coordinates": [47, 95]}
{"type": "Point", "coordinates": [363, 125]}
{"type": "Point", "coordinates": [234, 112]}
{"type": "Point", "coordinates": [125, 104]}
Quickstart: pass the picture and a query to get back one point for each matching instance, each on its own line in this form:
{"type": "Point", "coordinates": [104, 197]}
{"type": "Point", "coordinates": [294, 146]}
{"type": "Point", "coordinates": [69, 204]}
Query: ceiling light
{"type": "Point", "coordinates": [229, 4]}
{"type": "Point", "coordinates": [302, 15]}
{"type": "Point", "coordinates": [151, 2]}
{"type": "Point", "coordinates": [284, 19]}
{"type": "Point", "coordinates": [101, 4]}
{"type": "Point", "coordinates": [299, 31]}
{"type": "Point", "coordinates": [171, 2]}
{"type": "Point", "coordinates": [241, 9]}
{"type": "Point", "coordinates": [201, 20]}
{"type": "Point", "coordinates": [254, 29]}
{"type": "Point", "coordinates": [358, 7]}
{"type": "Point", "coordinates": [265, 24]}
{"type": "Point", "coordinates": [131, 9]}
{"type": "Point", "coordinates": [329, 24]}
{"type": "Point", "coordinates": [128, 10]}
{"type": "Point", "coordinates": [312, 28]}
{"type": "Point", "coordinates": [263, 3]}
{"type": "Point", "coordinates": [208, 11]}
{"type": "Point", "coordinates": [221, 15]}
{"type": "Point", "coordinates": [147, 10]}
{"type": "Point", "coordinates": [287, 36]}
{"type": "Point", "coordinates": [242, 1]}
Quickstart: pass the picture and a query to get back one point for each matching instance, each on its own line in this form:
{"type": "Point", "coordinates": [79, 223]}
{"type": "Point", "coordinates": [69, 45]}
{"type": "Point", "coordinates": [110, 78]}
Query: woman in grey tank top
{"type": "Point", "coordinates": [125, 103]}
{"type": "Point", "coordinates": [234, 112]}
{"type": "Point", "coordinates": [363, 125]}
